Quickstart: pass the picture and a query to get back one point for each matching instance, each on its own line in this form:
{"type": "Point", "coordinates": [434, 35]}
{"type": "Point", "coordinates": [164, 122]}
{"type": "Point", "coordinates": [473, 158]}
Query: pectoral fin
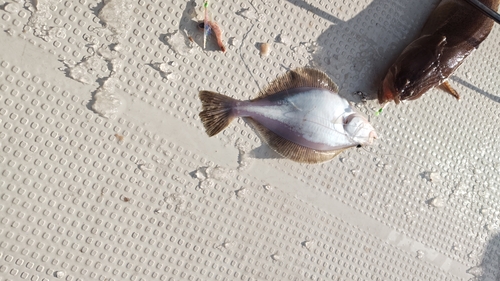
{"type": "Point", "coordinates": [290, 149]}
{"type": "Point", "coordinates": [445, 86]}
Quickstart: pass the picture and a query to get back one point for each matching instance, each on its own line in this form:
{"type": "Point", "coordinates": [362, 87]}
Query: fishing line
{"type": "Point", "coordinates": [485, 10]}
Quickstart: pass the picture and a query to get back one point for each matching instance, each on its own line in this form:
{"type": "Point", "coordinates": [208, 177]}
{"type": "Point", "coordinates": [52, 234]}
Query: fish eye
{"type": "Point", "coordinates": [201, 25]}
{"type": "Point", "coordinates": [359, 146]}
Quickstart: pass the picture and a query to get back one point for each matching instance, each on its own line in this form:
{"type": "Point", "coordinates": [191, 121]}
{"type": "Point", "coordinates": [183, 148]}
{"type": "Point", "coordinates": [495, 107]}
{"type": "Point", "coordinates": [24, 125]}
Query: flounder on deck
{"type": "Point", "coordinates": [299, 115]}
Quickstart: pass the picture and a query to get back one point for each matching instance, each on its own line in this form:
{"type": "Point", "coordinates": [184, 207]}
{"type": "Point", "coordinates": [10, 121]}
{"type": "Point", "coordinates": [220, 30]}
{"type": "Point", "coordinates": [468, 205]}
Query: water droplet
{"type": "Point", "coordinates": [344, 159]}
{"type": "Point", "coordinates": [115, 14]}
{"type": "Point", "coordinates": [56, 32]}
{"type": "Point", "coordinates": [283, 39]}
{"type": "Point", "coordinates": [177, 41]}
{"type": "Point", "coordinates": [496, 166]}
{"type": "Point", "coordinates": [456, 248]}
{"type": "Point", "coordinates": [435, 177]}
{"type": "Point", "coordinates": [491, 226]}
{"type": "Point", "coordinates": [276, 257]}
{"type": "Point", "coordinates": [476, 271]}
{"type": "Point", "coordinates": [218, 173]}
{"type": "Point", "coordinates": [241, 192]}
{"type": "Point", "coordinates": [12, 8]}
{"type": "Point", "coordinates": [146, 167]}
{"type": "Point", "coordinates": [233, 41]}
{"type": "Point", "coordinates": [311, 46]}
{"type": "Point", "coordinates": [227, 244]}
{"type": "Point", "coordinates": [205, 184]}
{"type": "Point", "coordinates": [420, 254]}
{"type": "Point", "coordinates": [307, 244]}
{"type": "Point", "coordinates": [244, 159]}
{"type": "Point", "coordinates": [59, 274]}
{"type": "Point", "coordinates": [84, 71]}
{"type": "Point", "coordinates": [472, 255]}
{"type": "Point", "coordinates": [482, 192]}
{"type": "Point", "coordinates": [437, 202]}
{"type": "Point", "coordinates": [201, 173]}
{"type": "Point", "coordinates": [107, 104]}
{"type": "Point", "coordinates": [173, 76]}
{"type": "Point", "coordinates": [161, 66]}
{"type": "Point", "coordinates": [10, 32]}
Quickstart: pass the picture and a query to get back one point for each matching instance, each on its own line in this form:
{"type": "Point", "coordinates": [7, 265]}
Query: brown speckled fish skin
{"type": "Point", "coordinates": [452, 31]}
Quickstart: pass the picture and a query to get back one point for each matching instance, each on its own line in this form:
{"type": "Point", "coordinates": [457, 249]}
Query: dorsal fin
{"type": "Point", "coordinates": [300, 77]}
{"type": "Point", "coordinates": [290, 149]}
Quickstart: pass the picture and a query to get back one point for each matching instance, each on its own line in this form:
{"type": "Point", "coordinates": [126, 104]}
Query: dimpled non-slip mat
{"type": "Point", "coordinates": [107, 173]}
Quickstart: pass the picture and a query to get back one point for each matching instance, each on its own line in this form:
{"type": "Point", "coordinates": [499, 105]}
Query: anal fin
{"type": "Point", "coordinates": [445, 86]}
{"type": "Point", "coordinates": [290, 149]}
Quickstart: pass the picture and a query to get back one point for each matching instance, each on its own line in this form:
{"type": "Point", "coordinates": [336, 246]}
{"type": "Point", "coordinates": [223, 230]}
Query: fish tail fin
{"type": "Point", "coordinates": [217, 111]}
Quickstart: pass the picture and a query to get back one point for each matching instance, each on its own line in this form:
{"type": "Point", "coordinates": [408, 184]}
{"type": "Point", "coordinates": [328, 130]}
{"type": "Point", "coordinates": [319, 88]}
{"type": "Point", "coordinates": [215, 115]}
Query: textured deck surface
{"type": "Point", "coordinates": [107, 174]}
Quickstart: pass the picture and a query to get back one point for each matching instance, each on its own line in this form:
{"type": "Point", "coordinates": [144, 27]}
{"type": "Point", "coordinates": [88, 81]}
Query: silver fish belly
{"type": "Point", "coordinates": [307, 116]}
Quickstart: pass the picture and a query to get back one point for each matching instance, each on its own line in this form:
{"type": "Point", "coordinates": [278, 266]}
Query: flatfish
{"type": "Point", "coordinates": [299, 115]}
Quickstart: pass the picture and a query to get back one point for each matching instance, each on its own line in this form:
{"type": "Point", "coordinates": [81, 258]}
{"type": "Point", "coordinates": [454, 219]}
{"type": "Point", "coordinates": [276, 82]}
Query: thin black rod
{"type": "Point", "coordinates": [485, 10]}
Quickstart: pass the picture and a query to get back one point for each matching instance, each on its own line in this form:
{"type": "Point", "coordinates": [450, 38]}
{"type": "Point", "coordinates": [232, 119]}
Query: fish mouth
{"type": "Point", "coordinates": [387, 91]}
